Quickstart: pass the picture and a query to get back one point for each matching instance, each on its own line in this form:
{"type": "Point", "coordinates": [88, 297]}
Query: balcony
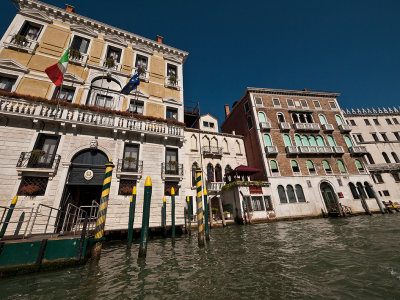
{"type": "Point", "coordinates": [171, 169]}
{"type": "Point", "coordinates": [265, 126]}
{"type": "Point", "coordinates": [212, 151]}
{"type": "Point", "coordinates": [78, 59]}
{"type": "Point", "coordinates": [387, 167]}
{"type": "Point", "coordinates": [271, 150]}
{"type": "Point", "coordinates": [292, 150]}
{"type": "Point", "coordinates": [38, 161]}
{"type": "Point", "coordinates": [284, 126]}
{"type": "Point", "coordinates": [358, 150]}
{"type": "Point", "coordinates": [129, 167]}
{"type": "Point", "coordinates": [306, 127]}
{"type": "Point", "coordinates": [308, 149]}
{"type": "Point", "coordinates": [325, 150]}
{"type": "Point", "coordinates": [172, 82]}
{"type": "Point", "coordinates": [338, 150]}
{"type": "Point", "coordinates": [75, 117]}
{"type": "Point", "coordinates": [327, 127]}
{"type": "Point", "coordinates": [214, 187]}
{"type": "Point", "coordinates": [111, 64]}
{"type": "Point", "coordinates": [21, 43]}
{"type": "Point", "coordinates": [344, 128]}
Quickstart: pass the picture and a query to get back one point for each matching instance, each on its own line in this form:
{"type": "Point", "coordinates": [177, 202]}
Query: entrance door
{"type": "Point", "coordinates": [330, 199]}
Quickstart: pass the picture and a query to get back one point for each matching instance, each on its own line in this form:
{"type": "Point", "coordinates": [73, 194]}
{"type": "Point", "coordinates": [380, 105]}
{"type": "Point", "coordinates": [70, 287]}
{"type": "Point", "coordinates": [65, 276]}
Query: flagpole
{"type": "Point", "coordinates": [62, 80]}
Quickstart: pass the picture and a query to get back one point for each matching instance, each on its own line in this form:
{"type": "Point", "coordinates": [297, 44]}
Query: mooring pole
{"type": "Point", "coordinates": [185, 217]}
{"type": "Point", "coordinates": [144, 234]}
{"type": "Point", "coordinates": [132, 206]}
{"type": "Point", "coordinates": [363, 202]}
{"type": "Point", "coordinates": [172, 212]}
{"type": "Point", "coordinates": [164, 216]}
{"type": "Point", "coordinates": [101, 219]}
{"type": "Point", "coordinates": [8, 216]}
{"type": "Point", "coordinates": [207, 229]}
{"type": "Point", "coordinates": [199, 202]}
{"type": "Point", "coordinates": [189, 215]}
{"type": "Point", "coordinates": [376, 197]}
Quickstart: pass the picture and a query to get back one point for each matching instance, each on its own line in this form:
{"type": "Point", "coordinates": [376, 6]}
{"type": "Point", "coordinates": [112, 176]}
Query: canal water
{"type": "Point", "coordinates": [348, 258]}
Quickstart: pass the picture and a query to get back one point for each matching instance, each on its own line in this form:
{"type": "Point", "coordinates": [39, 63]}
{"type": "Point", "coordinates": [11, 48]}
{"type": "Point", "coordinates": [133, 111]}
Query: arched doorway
{"type": "Point", "coordinates": [331, 202]}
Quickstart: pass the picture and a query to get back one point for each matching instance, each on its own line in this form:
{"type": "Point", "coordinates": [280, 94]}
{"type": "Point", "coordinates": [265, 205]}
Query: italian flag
{"type": "Point", "coordinates": [56, 72]}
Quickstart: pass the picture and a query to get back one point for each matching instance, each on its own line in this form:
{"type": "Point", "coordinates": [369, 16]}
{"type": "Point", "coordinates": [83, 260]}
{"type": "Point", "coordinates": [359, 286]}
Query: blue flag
{"type": "Point", "coordinates": [132, 84]}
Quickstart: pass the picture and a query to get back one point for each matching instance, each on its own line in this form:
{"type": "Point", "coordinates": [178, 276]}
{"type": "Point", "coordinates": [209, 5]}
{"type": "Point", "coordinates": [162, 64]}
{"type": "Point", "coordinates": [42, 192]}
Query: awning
{"type": "Point", "coordinates": [243, 170]}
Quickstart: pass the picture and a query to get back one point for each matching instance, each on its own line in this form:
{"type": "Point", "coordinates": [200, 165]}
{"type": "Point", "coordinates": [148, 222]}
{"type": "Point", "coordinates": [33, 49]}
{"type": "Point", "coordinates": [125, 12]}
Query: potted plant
{"type": "Point", "coordinates": [142, 70]}
{"type": "Point", "coordinates": [125, 190]}
{"type": "Point", "coordinates": [172, 79]}
{"type": "Point", "coordinates": [110, 63]}
{"type": "Point", "coordinates": [73, 53]}
{"type": "Point", "coordinates": [20, 39]}
{"type": "Point", "coordinates": [29, 190]}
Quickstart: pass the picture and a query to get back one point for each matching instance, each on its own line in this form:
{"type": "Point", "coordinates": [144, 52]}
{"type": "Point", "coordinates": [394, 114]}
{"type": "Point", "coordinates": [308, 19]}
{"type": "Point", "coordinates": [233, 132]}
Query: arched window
{"type": "Point", "coordinates": [361, 190]}
{"type": "Point", "coordinates": [386, 157]}
{"type": "Point", "coordinates": [309, 118]}
{"type": "Point", "coordinates": [194, 167]}
{"type": "Point", "coordinates": [214, 144]}
{"type": "Point", "coordinates": [368, 189]}
{"type": "Point", "coordinates": [339, 120]}
{"type": "Point", "coordinates": [281, 117]}
{"type": "Point", "coordinates": [274, 167]}
{"type": "Point", "coordinates": [218, 173]}
{"type": "Point", "coordinates": [210, 173]}
{"type": "Point", "coordinates": [290, 193]}
{"type": "Point", "coordinates": [310, 167]}
{"type": "Point", "coordinates": [348, 141]}
{"type": "Point", "coordinates": [295, 166]}
{"type": "Point", "coordinates": [295, 118]}
{"type": "Point", "coordinates": [297, 138]}
{"type": "Point", "coordinates": [305, 140]}
{"type": "Point", "coordinates": [287, 140]}
{"type": "Point", "coordinates": [261, 117]}
{"type": "Point", "coordinates": [341, 166]}
{"type": "Point", "coordinates": [104, 92]}
{"type": "Point", "coordinates": [238, 148]}
{"type": "Point", "coordinates": [228, 169]}
{"type": "Point", "coordinates": [225, 146]}
{"type": "Point", "coordinates": [327, 166]}
{"type": "Point", "coordinates": [322, 119]}
{"type": "Point", "coordinates": [249, 122]}
{"type": "Point", "coordinates": [193, 143]}
{"type": "Point", "coordinates": [359, 166]}
{"type": "Point", "coordinates": [299, 193]}
{"type": "Point", "coordinates": [206, 143]}
{"type": "Point", "coordinates": [320, 141]}
{"type": "Point", "coordinates": [396, 159]}
{"type": "Point", "coordinates": [331, 141]}
{"type": "Point", "coordinates": [267, 140]}
{"type": "Point", "coordinates": [282, 194]}
{"type": "Point", "coordinates": [313, 141]}
{"type": "Point", "coordinates": [370, 159]}
{"type": "Point", "coordinates": [354, 191]}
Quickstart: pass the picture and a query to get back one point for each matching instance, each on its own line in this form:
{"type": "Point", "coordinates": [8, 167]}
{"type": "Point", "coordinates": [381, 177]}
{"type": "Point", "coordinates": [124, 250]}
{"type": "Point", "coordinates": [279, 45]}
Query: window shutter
{"type": "Point", "coordinates": [310, 164]}
{"type": "Point", "coordinates": [341, 166]}
{"type": "Point", "coordinates": [326, 165]}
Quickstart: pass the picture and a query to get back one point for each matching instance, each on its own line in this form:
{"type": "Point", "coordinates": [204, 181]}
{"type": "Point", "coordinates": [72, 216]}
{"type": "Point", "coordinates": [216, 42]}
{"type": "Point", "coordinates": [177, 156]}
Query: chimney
{"type": "Point", "coordinates": [69, 8]}
{"type": "Point", "coordinates": [226, 110]}
{"type": "Point", "coordinates": [159, 39]}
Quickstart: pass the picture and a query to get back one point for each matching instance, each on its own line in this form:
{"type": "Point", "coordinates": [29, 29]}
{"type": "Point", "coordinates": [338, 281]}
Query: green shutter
{"type": "Point", "coordinates": [267, 140]}
{"type": "Point", "coordinates": [297, 138]}
{"type": "Point", "coordinates": [359, 165]}
{"type": "Point", "coordinates": [310, 164]}
{"type": "Point", "coordinates": [261, 117]}
{"type": "Point", "coordinates": [326, 165]}
{"type": "Point", "coordinates": [312, 140]}
{"type": "Point", "coordinates": [273, 164]}
{"type": "Point", "coordinates": [322, 119]}
{"type": "Point", "coordinates": [331, 141]}
{"type": "Point", "coordinates": [348, 141]}
{"type": "Point", "coordinates": [338, 120]}
{"type": "Point", "coordinates": [293, 163]}
{"type": "Point", "coordinates": [341, 166]}
{"type": "Point", "coordinates": [286, 139]}
{"type": "Point", "coordinates": [305, 141]}
{"type": "Point", "coordinates": [320, 141]}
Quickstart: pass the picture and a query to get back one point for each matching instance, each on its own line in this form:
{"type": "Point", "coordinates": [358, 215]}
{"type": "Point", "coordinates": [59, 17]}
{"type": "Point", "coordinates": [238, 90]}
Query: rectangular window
{"type": "Point", "coordinates": [378, 178]}
{"type": "Point", "coordinates": [171, 113]}
{"type": "Point", "coordinates": [169, 185]}
{"type": "Point", "coordinates": [114, 53]}
{"type": "Point", "coordinates": [268, 203]}
{"type": "Point", "coordinates": [385, 138]}
{"type": "Point", "coordinates": [386, 193]}
{"type": "Point", "coordinates": [103, 101]}
{"type": "Point", "coordinates": [396, 177]}
{"type": "Point", "coordinates": [352, 122]}
{"type": "Point", "coordinates": [141, 62]}
{"type": "Point", "coordinates": [395, 121]}
{"type": "Point", "coordinates": [376, 121]}
{"type": "Point", "coordinates": [66, 94]}
{"type": "Point", "coordinates": [303, 103]}
{"type": "Point", "coordinates": [332, 104]}
{"type": "Point", "coordinates": [246, 107]}
{"type": "Point", "coordinates": [290, 102]}
{"type": "Point", "coordinates": [259, 101]}
{"type": "Point", "coordinates": [256, 203]}
{"type": "Point", "coordinates": [211, 125]}
{"type": "Point", "coordinates": [249, 122]}
{"type": "Point", "coordinates": [33, 186]}
{"type": "Point", "coordinates": [397, 135]}
{"type": "Point", "coordinates": [276, 102]}
{"type": "Point", "coordinates": [80, 44]}
{"type": "Point", "coordinates": [136, 107]}
{"type": "Point", "coordinates": [360, 138]}
{"type": "Point", "coordinates": [374, 135]}
{"type": "Point", "coordinates": [131, 158]}
{"type": "Point", "coordinates": [31, 30]}
{"type": "Point", "coordinates": [44, 152]}
{"type": "Point", "coordinates": [205, 124]}
{"type": "Point", "coordinates": [367, 122]}
{"type": "Point", "coordinates": [389, 121]}
{"type": "Point", "coordinates": [171, 161]}
{"type": "Point", "coordinates": [126, 186]}
{"type": "Point", "coordinates": [172, 70]}
{"type": "Point", "coordinates": [6, 83]}
{"type": "Point", "coordinates": [317, 105]}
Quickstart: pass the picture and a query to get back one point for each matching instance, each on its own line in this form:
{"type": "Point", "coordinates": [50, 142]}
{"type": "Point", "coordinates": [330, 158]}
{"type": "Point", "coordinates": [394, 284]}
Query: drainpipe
{"type": "Point", "coordinates": [376, 197]}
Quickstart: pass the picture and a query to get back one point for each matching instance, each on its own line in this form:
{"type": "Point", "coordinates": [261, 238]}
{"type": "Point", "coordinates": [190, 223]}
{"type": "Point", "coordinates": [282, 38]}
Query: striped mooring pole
{"type": "Point", "coordinates": [144, 234]}
{"type": "Point", "coordinates": [189, 215]}
{"type": "Point", "coordinates": [199, 202]}
{"type": "Point", "coordinates": [101, 219]}
{"type": "Point", "coordinates": [8, 216]}
{"type": "Point", "coordinates": [164, 216]}
{"type": "Point", "coordinates": [172, 212]}
{"type": "Point", "coordinates": [207, 229]}
{"type": "Point", "coordinates": [132, 207]}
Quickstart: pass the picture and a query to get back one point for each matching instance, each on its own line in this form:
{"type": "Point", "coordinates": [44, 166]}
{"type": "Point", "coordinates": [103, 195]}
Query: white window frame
{"type": "Point", "coordinates": [85, 37]}
{"type": "Point", "coordinates": [273, 104]}
{"type": "Point", "coordinates": [270, 170]}
{"type": "Point", "coordinates": [333, 108]}
{"type": "Point", "coordinates": [141, 53]}
{"type": "Point", "coordinates": [258, 104]}
{"type": "Point", "coordinates": [298, 165]}
{"type": "Point", "coordinates": [319, 103]}
{"type": "Point", "coordinates": [287, 102]}
{"type": "Point", "coordinates": [306, 103]}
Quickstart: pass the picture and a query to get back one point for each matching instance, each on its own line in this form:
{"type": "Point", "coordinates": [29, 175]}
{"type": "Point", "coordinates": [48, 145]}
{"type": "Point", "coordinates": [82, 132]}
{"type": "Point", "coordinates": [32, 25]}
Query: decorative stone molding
{"type": "Point", "coordinates": [72, 78]}
{"type": "Point", "coordinates": [35, 14]}
{"type": "Point", "coordinates": [116, 40]}
{"type": "Point", "coordinates": [12, 65]}
{"type": "Point", "coordinates": [84, 30]}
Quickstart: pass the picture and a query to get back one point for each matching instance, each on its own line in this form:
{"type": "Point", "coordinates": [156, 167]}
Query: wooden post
{"type": "Point", "coordinates": [222, 211]}
{"type": "Point", "coordinates": [189, 215]}
{"type": "Point", "coordinates": [164, 216]}
{"type": "Point", "coordinates": [8, 216]}
{"type": "Point", "coordinates": [172, 212]}
{"type": "Point", "coordinates": [206, 215]}
{"type": "Point", "coordinates": [199, 202]}
{"type": "Point", "coordinates": [210, 213]}
{"type": "Point", "coordinates": [364, 203]}
{"type": "Point", "coordinates": [144, 234]}
{"type": "Point", "coordinates": [132, 206]}
{"type": "Point", "coordinates": [376, 197]}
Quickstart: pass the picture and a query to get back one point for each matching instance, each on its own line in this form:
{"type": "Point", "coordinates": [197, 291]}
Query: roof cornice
{"type": "Point", "coordinates": [322, 94]}
{"type": "Point", "coordinates": [76, 19]}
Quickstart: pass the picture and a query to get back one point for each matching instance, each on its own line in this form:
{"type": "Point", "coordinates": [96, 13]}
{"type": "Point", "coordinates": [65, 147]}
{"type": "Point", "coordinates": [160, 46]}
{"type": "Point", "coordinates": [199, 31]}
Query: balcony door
{"type": "Point", "coordinates": [131, 155]}
{"type": "Point", "coordinates": [171, 161]}
{"type": "Point", "coordinates": [44, 152]}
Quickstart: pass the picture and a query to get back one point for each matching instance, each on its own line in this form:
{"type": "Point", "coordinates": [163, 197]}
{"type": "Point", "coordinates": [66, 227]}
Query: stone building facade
{"type": "Point", "coordinates": [301, 142]}
{"type": "Point", "coordinates": [378, 130]}
{"type": "Point", "coordinates": [55, 142]}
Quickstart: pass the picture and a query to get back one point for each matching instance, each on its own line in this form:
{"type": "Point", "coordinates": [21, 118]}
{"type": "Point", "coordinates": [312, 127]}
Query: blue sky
{"type": "Point", "coordinates": [350, 47]}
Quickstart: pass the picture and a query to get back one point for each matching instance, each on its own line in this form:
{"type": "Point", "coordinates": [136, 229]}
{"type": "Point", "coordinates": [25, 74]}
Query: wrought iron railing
{"type": "Point", "coordinates": [74, 219]}
{"type": "Point", "coordinates": [18, 225]}
{"type": "Point", "coordinates": [44, 220]}
{"type": "Point", "coordinates": [130, 165]}
{"type": "Point", "coordinates": [172, 168]}
{"type": "Point", "coordinates": [38, 159]}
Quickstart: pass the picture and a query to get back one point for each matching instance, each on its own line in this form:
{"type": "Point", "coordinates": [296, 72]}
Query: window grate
{"type": "Point", "coordinates": [33, 186]}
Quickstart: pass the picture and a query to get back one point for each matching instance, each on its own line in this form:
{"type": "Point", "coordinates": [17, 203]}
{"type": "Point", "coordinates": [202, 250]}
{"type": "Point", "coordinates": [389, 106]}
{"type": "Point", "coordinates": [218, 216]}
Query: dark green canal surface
{"type": "Point", "coordinates": [351, 258]}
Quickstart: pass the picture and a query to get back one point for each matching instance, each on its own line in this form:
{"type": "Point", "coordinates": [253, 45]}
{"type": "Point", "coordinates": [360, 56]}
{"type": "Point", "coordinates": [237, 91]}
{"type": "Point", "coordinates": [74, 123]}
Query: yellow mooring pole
{"type": "Point", "coordinates": [101, 219]}
{"type": "Point", "coordinates": [8, 216]}
{"type": "Point", "coordinates": [199, 202]}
